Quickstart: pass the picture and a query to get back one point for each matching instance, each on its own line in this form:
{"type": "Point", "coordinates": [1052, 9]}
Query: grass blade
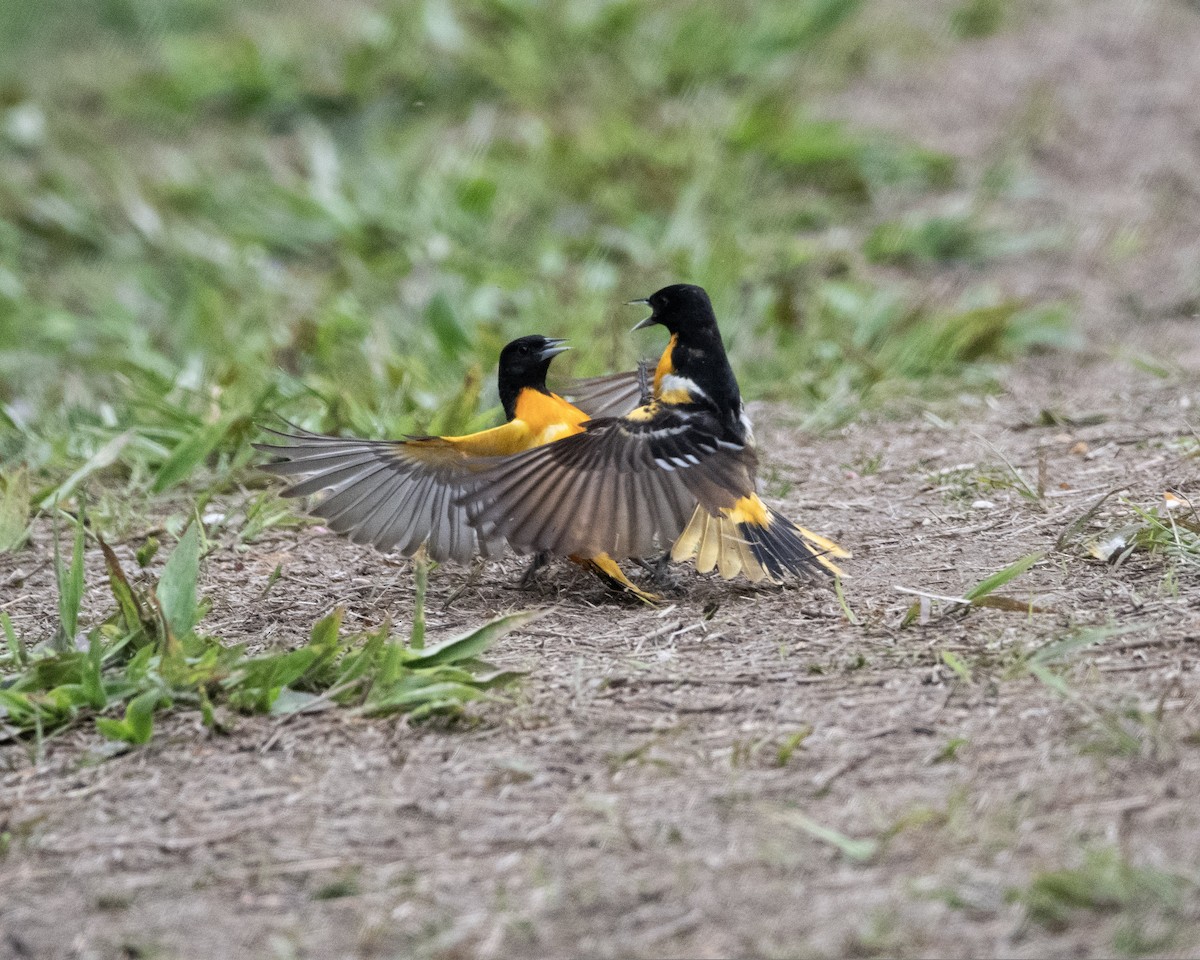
{"type": "Point", "coordinates": [1002, 577]}
{"type": "Point", "coordinates": [955, 663]}
{"type": "Point", "coordinates": [177, 588]}
{"type": "Point", "coordinates": [851, 848]}
{"type": "Point", "coordinates": [417, 641]}
{"type": "Point", "coordinates": [431, 696]}
{"type": "Point", "coordinates": [188, 455]}
{"type": "Point", "coordinates": [14, 510]}
{"type": "Point", "coordinates": [16, 651]}
{"type": "Point", "coordinates": [474, 642]}
{"type": "Point", "coordinates": [1080, 640]}
{"type": "Point", "coordinates": [135, 617]}
{"type": "Point", "coordinates": [70, 587]}
{"type": "Point", "coordinates": [106, 456]}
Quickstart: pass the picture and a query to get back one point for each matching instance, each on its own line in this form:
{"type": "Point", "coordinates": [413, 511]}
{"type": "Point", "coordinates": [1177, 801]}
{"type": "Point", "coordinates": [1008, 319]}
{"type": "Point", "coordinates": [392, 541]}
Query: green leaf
{"type": "Point", "coordinates": [473, 642]}
{"type": "Point", "coordinates": [1080, 640]}
{"type": "Point", "coordinates": [14, 509]}
{"type": "Point", "coordinates": [106, 456]}
{"type": "Point", "coordinates": [860, 850]}
{"type": "Point", "coordinates": [176, 590]}
{"type": "Point", "coordinates": [147, 551]}
{"type": "Point", "coordinates": [325, 630]}
{"type": "Point", "coordinates": [15, 649]}
{"type": "Point", "coordinates": [188, 455]}
{"type": "Point", "coordinates": [447, 693]}
{"type": "Point", "coordinates": [139, 715]}
{"type": "Point", "coordinates": [444, 323]}
{"type": "Point", "coordinates": [1001, 577]}
{"type": "Point", "coordinates": [421, 564]}
{"type": "Point", "coordinates": [289, 701]}
{"type": "Point", "coordinates": [91, 681]}
{"type": "Point", "coordinates": [955, 663]}
{"type": "Point", "coordinates": [113, 729]}
{"type": "Point", "coordinates": [70, 587]}
{"type": "Point", "coordinates": [1050, 679]}
{"type": "Point", "coordinates": [18, 707]}
{"type": "Point", "coordinates": [135, 618]}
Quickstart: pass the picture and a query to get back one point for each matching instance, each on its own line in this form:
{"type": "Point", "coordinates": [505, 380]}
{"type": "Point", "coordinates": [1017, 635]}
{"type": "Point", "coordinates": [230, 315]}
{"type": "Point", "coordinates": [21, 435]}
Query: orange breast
{"type": "Point", "coordinates": [665, 365]}
{"type": "Point", "coordinates": [542, 410]}
{"type": "Point", "coordinates": [540, 418]}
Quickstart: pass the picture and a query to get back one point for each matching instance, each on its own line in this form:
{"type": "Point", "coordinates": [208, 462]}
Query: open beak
{"type": "Point", "coordinates": [554, 346]}
{"type": "Point", "coordinates": [649, 321]}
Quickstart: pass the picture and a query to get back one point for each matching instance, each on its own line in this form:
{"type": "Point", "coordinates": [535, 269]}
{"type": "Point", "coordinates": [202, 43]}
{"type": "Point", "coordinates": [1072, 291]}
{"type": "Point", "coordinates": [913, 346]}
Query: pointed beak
{"type": "Point", "coordinates": [554, 346]}
{"type": "Point", "coordinates": [649, 321]}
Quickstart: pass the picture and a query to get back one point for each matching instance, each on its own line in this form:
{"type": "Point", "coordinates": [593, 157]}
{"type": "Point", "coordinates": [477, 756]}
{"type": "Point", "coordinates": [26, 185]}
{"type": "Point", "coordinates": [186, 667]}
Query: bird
{"type": "Point", "coordinates": [403, 495]}
{"type": "Point", "coordinates": [676, 472]}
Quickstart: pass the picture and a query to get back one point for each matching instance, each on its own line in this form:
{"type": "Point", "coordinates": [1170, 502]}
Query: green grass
{"type": "Point", "coordinates": [1170, 529]}
{"type": "Point", "coordinates": [149, 656]}
{"type": "Point", "coordinates": [1149, 903]}
{"type": "Point", "coordinates": [209, 211]}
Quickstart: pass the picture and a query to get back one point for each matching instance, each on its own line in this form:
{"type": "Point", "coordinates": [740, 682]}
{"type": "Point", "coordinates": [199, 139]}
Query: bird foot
{"type": "Point", "coordinates": [529, 577]}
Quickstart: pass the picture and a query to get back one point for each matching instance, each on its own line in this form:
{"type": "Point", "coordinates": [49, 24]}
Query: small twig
{"type": "Point", "coordinates": [712, 708]}
{"type": "Point", "coordinates": [19, 575]}
{"type": "Point", "coordinates": [823, 781]}
{"type": "Point", "coordinates": [645, 384]}
{"type": "Point", "coordinates": [287, 867]}
{"type": "Point", "coordinates": [961, 601]}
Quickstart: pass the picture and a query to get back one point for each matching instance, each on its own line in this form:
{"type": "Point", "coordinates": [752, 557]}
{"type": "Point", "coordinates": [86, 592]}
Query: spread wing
{"type": "Point", "coordinates": [397, 495]}
{"type": "Point", "coordinates": [625, 486]}
{"type": "Point", "coordinates": [612, 395]}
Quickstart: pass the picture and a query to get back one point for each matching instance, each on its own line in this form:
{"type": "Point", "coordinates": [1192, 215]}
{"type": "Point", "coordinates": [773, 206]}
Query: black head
{"type": "Point", "coordinates": [523, 364]}
{"type": "Point", "coordinates": [681, 307]}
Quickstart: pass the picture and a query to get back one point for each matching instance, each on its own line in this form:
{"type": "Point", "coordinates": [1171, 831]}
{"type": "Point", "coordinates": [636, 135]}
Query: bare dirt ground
{"type": "Point", "coordinates": [635, 795]}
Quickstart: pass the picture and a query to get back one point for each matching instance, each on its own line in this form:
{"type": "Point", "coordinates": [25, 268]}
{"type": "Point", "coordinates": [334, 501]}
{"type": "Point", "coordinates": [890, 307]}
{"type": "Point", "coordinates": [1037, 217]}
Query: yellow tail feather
{"type": "Point", "coordinates": [717, 544]}
{"type": "Point", "coordinates": [723, 543]}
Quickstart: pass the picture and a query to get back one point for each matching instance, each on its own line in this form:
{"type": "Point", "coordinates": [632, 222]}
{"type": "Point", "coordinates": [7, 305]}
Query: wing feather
{"type": "Point", "coordinates": [394, 494]}
{"type": "Point", "coordinates": [625, 486]}
{"type": "Point", "coordinates": [613, 395]}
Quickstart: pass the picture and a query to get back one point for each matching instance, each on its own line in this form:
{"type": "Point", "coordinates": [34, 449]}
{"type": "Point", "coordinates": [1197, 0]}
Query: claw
{"type": "Point", "coordinates": [658, 568]}
{"type": "Point", "coordinates": [529, 577]}
{"type": "Point", "coordinates": [604, 567]}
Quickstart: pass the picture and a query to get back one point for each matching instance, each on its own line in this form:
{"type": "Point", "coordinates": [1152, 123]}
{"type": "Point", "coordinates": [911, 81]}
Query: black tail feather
{"type": "Point", "coordinates": [780, 548]}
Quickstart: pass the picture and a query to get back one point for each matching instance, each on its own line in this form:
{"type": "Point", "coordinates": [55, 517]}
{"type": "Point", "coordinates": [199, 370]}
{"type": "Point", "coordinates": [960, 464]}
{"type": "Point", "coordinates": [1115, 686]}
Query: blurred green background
{"type": "Point", "coordinates": [210, 211]}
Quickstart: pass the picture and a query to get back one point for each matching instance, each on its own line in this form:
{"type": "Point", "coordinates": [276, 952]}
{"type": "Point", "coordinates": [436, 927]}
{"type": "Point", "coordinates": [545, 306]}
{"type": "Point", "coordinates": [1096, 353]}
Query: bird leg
{"type": "Point", "coordinates": [529, 577]}
{"type": "Point", "coordinates": [613, 577]}
{"type": "Point", "coordinates": [658, 568]}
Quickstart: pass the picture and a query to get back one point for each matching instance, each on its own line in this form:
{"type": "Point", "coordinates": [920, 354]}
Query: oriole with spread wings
{"type": "Point", "coordinates": [404, 494]}
{"type": "Point", "coordinates": [677, 472]}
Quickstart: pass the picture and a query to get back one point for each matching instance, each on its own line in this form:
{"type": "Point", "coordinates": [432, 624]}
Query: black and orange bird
{"type": "Point", "coordinates": [677, 472]}
{"type": "Point", "coordinates": [403, 495]}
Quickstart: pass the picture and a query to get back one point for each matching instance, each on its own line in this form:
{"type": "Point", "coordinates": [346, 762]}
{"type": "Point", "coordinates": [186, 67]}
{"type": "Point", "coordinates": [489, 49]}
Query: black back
{"type": "Point", "coordinates": [699, 354]}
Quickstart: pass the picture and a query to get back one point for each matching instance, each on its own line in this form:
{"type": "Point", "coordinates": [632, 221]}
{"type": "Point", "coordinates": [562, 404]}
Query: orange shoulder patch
{"type": "Point", "coordinates": [509, 438]}
{"type": "Point", "coordinates": [542, 411]}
